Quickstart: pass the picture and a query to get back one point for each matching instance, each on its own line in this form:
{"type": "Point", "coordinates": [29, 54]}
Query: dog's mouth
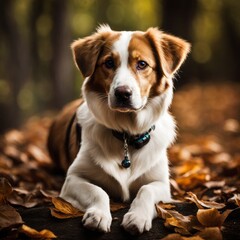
{"type": "Point", "coordinates": [124, 107]}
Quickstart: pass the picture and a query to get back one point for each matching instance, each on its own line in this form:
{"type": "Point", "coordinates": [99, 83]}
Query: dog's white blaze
{"type": "Point", "coordinates": [121, 46]}
{"type": "Point", "coordinates": [124, 76]}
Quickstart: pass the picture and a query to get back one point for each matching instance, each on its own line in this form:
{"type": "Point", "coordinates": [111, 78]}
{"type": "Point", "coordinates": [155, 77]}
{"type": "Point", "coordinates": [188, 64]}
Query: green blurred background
{"type": "Point", "coordinates": [36, 69]}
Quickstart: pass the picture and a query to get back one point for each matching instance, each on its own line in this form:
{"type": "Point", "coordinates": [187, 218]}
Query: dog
{"type": "Point", "coordinates": [117, 135]}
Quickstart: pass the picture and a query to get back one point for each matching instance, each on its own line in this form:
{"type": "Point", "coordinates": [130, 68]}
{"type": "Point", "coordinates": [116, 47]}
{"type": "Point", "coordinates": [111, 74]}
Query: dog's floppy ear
{"type": "Point", "coordinates": [171, 50]}
{"type": "Point", "coordinates": [86, 52]}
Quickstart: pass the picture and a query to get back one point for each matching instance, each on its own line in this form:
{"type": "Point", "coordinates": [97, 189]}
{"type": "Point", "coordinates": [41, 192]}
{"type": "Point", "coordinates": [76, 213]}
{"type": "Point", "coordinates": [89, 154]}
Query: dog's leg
{"type": "Point", "coordinates": [142, 211]}
{"type": "Point", "coordinates": [91, 199]}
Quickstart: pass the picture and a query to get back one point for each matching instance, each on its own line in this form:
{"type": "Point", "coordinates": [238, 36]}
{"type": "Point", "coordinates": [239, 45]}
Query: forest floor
{"type": "Point", "coordinates": [205, 176]}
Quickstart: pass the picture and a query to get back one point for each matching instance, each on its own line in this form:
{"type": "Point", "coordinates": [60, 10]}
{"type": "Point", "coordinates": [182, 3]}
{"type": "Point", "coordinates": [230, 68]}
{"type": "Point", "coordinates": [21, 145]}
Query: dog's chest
{"type": "Point", "coordinates": [110, 159]}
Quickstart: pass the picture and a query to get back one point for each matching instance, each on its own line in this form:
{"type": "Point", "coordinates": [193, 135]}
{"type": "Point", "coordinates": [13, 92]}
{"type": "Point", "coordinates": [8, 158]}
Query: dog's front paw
{"type": "Point", "coordinates": [136, 223]}
{"type": "Point", "coordinates": [96, 219]}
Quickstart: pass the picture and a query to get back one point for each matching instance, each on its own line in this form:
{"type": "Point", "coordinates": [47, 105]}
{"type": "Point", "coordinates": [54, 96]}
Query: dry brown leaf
{"type": "Point", "coordinates": [14, 137]}
{"type": "Point", "coordinates": [63, 209]}
{"type": "Point", "coordinates": [179, 225]}
{"type": "Point", "coordinates": [5, 189]}
{"type": "Point", "coordinates": [211, 233]}
{"type": "Point", "coordinates": [204, 204]}
{"type": "Point", "coordinates": [173, 219]}
{"type": "Point", "coordinates": [24, 198]}
{"type": "Point", "coordinates": [237, 199]}
{"type": "Point", "coordinates": [192, 181]}
{"type": "Point", "coordinates": [215, 184]}
{"type": "Point", "coordinates": [205, 146]}
{"type": "Point", "coordinates": [32, 233]}
{"type": "Point", "coordinates": [9, 217]}
{"type": "Point", "coordinates": [221, 158]}
{"type": "Point", "coordinates": [38, 154]}
{"type": "Point", "coordinates": [189, 167]}
{"type": "Point", "coordinates": [49, 193]}
{"type": "Point", "coordinates": [175, 185]}
{"type": "Point", "coordinates": [115, 206]}
{"type": "Point", "coordinates": [179, 153]}
{"type": "Point", "coordinates": [212, 217]}
{"type": "Point", "coordinates": [176, 236]}
{"type": "Point", "coordinates": [232, 125]}
{"type": "Point", "coordinates": [60, 215]}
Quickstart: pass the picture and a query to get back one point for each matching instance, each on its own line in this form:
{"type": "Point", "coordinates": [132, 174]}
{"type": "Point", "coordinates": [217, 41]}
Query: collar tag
{"type": "Point", "coordinates": [137, 141]}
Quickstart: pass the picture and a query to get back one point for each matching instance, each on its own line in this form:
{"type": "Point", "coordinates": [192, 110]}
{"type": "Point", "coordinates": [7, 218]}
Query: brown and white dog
{"type": "Point", "coordinates": [125, 127]}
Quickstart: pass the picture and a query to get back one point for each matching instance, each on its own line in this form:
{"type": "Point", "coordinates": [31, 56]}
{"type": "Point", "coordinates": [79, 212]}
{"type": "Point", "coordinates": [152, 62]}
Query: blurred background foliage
{"type": "Point", "coordinates": [36, 68]}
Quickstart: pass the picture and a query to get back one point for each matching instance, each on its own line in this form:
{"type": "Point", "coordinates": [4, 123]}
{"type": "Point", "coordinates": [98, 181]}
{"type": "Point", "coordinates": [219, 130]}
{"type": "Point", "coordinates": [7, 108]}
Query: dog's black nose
{"type": "Point", "coordinates": [123, 93]}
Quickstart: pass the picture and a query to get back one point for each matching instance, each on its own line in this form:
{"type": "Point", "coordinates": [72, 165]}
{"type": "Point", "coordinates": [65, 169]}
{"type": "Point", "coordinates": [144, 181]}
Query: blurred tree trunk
{"type": "Point", "coordinates": [61, 64]}
{"type": "Point", "coordinates": [37, 8]}
{"type": "Point", "coordinates": [177, 19]}
{"type": "Point", "coordinates": [232, 44]}
{"type": "Point", "coordinates": [101, 13]}
{"type": "Point", "coordinates": [17, 63]}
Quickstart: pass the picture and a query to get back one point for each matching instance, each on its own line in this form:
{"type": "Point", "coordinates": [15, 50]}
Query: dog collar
{"type": "Point", "coordinates": [136, 141]}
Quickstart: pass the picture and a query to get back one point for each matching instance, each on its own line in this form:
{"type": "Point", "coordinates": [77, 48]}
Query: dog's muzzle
{"type": "Point", "coordinates": [122, 99]}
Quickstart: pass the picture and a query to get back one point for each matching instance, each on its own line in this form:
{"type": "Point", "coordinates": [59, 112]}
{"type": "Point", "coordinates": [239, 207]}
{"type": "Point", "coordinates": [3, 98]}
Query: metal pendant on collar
{"type": "Point", "coordinates": [136, 141]}
{"type": "Point", "coordinates": [126, 163]}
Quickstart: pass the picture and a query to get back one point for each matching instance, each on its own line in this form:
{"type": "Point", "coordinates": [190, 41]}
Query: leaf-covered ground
{"type": "Point", "coordinates": [205, 169]}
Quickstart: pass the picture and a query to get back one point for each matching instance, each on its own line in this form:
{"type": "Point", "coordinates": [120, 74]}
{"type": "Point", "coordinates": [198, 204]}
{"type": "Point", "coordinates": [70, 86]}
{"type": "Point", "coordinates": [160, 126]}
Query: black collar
{"type": "Point", "coordinates": [137, 141]}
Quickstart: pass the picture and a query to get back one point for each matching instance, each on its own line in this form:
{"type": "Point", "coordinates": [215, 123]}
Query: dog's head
{"type": "Point", "coordinates": [126, 69]}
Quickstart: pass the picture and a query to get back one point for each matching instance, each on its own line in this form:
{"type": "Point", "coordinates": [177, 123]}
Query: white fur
{"type": "Point", "coordinates": [96, 172]}
{"type": "Point", "coordinates": [123, 76]}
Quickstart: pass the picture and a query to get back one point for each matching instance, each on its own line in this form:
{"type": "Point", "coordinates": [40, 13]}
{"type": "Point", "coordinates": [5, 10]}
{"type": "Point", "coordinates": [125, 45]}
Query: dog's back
{"type": "Point", "coordinates": [65, 136]}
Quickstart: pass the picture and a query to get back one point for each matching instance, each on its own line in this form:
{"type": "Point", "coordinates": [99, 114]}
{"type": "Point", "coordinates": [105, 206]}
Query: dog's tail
{"type": "Point", "coordinates": [65, 136]}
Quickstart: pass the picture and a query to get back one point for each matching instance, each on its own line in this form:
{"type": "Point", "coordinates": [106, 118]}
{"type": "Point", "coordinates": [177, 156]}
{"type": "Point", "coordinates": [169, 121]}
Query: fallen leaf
{"type": "Point", "coordinates": [231, 125]}
{"type": "Point", "coordinates": [25, 198]}
{"type": "Point", "coordinates": [173, 219]}
{"type": "Point", "coordinates": [5, 189]}
{"type": "Point", "coordinates": [38, 154]}
{"type": "Point", "coordinates": [212, 217]}
{"type": "Point", "coordinates": [237, 199]}
{"type": "Point", "coordinates": [211, 233]}
{"type": "Point", "coordinates": [115, 206]}
{"type": "Point", "coordinates": [215, 184]}
{"type": "Point", "coordinates": [14, 137]}
{"type": "Point", "coordinates": [204, 204]}
{"type": "Point", "coordinates": [9, 217]}
{"type": "Point", "coordinates": [221, 158]}
{"type": "Point", "coordinates": [49, 193]}
{"type": "Point", "coordinates": [189, 167]}
{"type": "Point", "coordinates": [32, 233]}
{"type": "Point", "coordinates": [63, 209]}
{"type": "Point", "coordinates": [192, 181]}
{"type": "Point", "coordinates": [175, 185]}
{"type": "Point", "coordinates": [176, 236]}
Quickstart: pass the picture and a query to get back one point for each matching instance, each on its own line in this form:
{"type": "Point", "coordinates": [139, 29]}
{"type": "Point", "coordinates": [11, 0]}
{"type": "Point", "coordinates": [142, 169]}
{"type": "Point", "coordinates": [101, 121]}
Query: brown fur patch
{"type": "Point", "coordinates": [62, 127]}
{"type": "Point", "coordinates": [140, 50]}
{"type": "Point", "coordinates": [90, 53]}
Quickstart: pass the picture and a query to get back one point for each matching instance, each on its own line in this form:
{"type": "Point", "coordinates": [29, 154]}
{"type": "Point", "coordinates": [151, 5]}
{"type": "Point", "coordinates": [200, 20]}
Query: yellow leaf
{"type": "Point", "coordinates": [64, 206]}
{"type": "Point", "coordinates": [64, 209]}
{"type": "Point", "coordinates": [32, 233]}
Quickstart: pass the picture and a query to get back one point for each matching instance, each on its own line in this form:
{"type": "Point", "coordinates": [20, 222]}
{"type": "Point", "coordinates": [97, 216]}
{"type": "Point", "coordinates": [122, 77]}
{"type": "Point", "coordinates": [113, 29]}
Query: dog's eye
{"type": "Point", "coordinates": [109, 63]}
{"type": "Point", "coordinates": [141, 65]}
